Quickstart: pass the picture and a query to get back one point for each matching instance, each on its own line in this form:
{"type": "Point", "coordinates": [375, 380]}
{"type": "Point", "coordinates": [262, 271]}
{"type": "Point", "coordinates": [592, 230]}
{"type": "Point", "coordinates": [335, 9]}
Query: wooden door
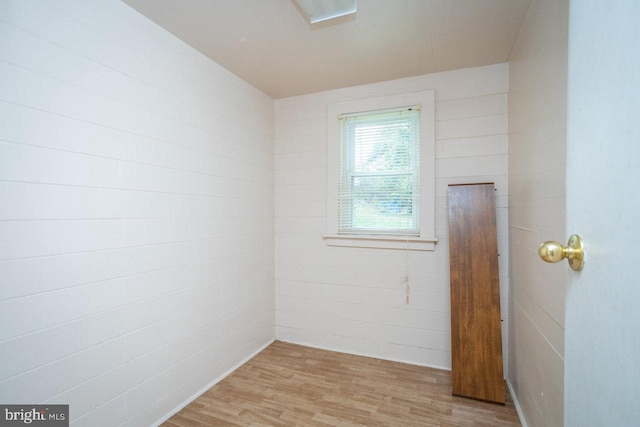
{"type": "Point", "coordinates": [476, 338]}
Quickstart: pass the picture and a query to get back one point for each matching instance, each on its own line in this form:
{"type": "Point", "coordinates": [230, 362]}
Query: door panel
{"type": "Point", "coordinates": [602, 323]}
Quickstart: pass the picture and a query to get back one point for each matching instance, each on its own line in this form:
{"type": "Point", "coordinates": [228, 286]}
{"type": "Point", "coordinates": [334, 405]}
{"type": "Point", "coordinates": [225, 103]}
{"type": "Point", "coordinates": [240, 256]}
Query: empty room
{"type": "Point", "coordinates": [319, 213]}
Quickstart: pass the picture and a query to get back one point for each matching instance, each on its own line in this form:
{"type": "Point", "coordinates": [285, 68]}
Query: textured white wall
{"type": "Point", "coordinates": [537, 145]}
{"type": "Point", "coordinates": [136, 213]}
{"type": "Point", "coordinates": [351, 299]}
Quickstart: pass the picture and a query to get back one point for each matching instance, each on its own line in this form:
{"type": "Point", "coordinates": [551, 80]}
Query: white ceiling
{"type": "Point", "coordinates": [269, 43]}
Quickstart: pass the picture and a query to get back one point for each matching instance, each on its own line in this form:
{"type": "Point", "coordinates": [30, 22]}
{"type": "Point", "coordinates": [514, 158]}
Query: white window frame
{"type": "Point", "coordinates": [426, 240]}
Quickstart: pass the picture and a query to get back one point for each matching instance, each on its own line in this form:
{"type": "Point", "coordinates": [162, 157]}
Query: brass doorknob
{"type": "Point", "coordinates": [551, 251]}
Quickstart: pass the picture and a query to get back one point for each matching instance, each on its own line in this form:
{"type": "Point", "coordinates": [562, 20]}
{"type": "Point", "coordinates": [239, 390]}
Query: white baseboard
{"type": "Point", "coordinates": [211, 384]}
{"type": "Point", "coordinates": [372, 356]}
{"type": "Point", "coordinates": [516, 404]}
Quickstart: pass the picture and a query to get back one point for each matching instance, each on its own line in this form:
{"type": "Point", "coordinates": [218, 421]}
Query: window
{"type": "Point", "coordinates": [379, 181]}
{"type": "Point", "coordinates": [380, 173]}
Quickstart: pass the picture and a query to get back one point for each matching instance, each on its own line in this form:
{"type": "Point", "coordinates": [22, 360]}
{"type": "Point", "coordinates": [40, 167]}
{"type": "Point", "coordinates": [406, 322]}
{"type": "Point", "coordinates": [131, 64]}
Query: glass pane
{"type": "Point", "coordinates": [383, 202]}
{"type": "Point", "coordinates": [383, 147]}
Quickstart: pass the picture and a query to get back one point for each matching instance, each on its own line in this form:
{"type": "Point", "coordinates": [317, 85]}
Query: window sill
{"type": "Point", "coordinates": [381, 242]}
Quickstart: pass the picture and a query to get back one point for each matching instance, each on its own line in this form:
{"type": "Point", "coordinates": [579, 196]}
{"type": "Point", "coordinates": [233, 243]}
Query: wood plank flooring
{"type": "Point", "coordinates": [292, 385]}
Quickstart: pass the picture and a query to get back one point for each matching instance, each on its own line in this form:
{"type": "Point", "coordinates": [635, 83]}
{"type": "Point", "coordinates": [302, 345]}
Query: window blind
{"type": "Point", "coordinates": [379, 182]}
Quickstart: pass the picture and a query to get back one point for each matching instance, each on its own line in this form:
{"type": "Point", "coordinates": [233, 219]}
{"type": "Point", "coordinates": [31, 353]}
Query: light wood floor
{"type": "Point", "coordinates": [292, 385]}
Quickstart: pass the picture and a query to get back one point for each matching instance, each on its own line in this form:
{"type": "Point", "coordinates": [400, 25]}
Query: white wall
{"type": "Point", "coordinates": [136, 213]}
{"type": "Point", "coordinates": [537, 145]}
{"type": "Point", "coordinates": [353, 300]}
